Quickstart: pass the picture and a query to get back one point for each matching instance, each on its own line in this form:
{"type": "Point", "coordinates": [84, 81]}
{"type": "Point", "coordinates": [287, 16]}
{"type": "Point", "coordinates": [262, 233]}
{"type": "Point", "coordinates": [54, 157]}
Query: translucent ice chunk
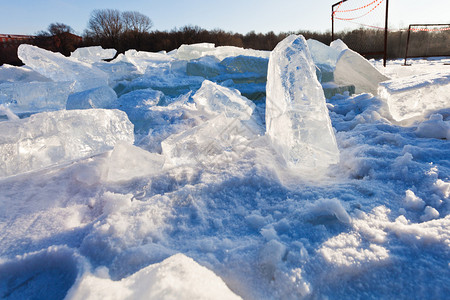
{"type": "Point", "coordinates": [193, 51]}
{"type": "Point", "coordinates": [149, 62]}
{"type": "Point", "coordinates": [60, 68]}
{"type": "Point", "coordinates": [136, 104]}
{"type": "Point", "coordinates": [207, 67]}
{"type": "Point", "coordinates": [416, 96]}
{"type": "Point", "coordinates": [352, 68]}
{"type": "Point", "coordinates": [220, 139]}
{"type": "Point", "coordinates": [297, 119]}
{"type": "Point", "coordinates": [101, 97]}
{"type": "Point", "coordinates": [93, 54]}
{"type": "Point", "coordinates": [127, 162]}
{"type": "Point", "coordinates": [322, 54]}
{"type": "Point", "coordinates": [10, 73]}
{"type": "Point", "coordinates": [246, 64]}
{"type": "Point", "coordinates": [338, 45]}
{"type": "Point", "coordinates": [215, 99]}
{"type": "Point", "coordinates": [51, 138]}
{"type": "Point", "coordinates": [23, 97]}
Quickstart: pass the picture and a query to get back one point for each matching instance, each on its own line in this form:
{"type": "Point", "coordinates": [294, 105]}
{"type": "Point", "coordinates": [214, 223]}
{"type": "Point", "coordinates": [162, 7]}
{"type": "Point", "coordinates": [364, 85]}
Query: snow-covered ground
{"type": "Point", "coordinates": [160, 182]}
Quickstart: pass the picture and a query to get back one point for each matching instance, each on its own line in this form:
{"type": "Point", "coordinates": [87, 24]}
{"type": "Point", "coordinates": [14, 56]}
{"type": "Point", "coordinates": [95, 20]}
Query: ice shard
{"type": "Point", "coordinates": [101, 97]}
{"type": "Point", "coordinates": [52, 138]}
{"type": "Point", "coordinates": [352, 68]}
{"type": "Point", "coordinates": [297, 119]}
{"type": "Point", "coordinates": [93, 54]}
{"type": "Point", "coordinates": [60, 68]}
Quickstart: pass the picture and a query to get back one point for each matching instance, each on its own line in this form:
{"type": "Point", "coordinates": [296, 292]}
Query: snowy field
{"type": "Point", "coordinates": [224, 173]}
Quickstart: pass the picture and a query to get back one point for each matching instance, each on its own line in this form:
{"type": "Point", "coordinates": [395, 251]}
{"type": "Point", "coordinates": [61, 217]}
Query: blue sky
{"type": "Point", "coordinates": [30, 16]}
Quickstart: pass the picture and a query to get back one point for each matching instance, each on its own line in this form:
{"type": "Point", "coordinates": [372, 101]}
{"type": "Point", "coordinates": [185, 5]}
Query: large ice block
{"type": "Point", "coordinates": [352, 68]}
{"type": "Point", "coordinates": [52, 138]}
{"type": "Point", "coordinates": [338, 45]}
{"type": "Point", "coordinates": [24, 97]}
{"type": "Point", "coordinates": [215, 99]}
{"type": "Point", "coordinates": [149, 62]}
{"type": "Point", "coordinates": [297, 119]}
{"type": "Point", "coordinates": [93, 54]}
{"type": "Point", "coordinates": [60, 68]}
{"type": "Point", "coordinates": [101, 97]}
{"type": "Point", "coordinates": [416, 96]}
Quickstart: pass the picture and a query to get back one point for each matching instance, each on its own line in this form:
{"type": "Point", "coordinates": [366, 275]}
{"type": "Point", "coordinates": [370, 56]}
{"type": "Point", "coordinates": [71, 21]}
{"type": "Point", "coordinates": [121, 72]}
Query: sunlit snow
{"type": "Point", "coordinates": [168, 176]}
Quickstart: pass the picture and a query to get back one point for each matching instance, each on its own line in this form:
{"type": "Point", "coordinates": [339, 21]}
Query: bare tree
{"type": "Point", "coordinates": [135, 21]}
{"type": "Point", "coordinates": [106, 24]}
{"type": "Point", "coordinates": [58, 28]}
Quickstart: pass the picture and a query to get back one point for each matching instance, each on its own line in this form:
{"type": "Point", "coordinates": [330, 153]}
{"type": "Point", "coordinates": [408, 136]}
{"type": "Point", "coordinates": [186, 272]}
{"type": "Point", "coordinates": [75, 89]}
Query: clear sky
{"type": "Point", "coordinates": [242, 16]}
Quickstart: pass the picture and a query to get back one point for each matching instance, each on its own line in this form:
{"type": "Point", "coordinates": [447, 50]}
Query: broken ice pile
{"type": "Point", "coordinates": [222, 136]}
{"type": "Point", "coordinates": [51, 138]}
{"type": "Point", "coordinates": [297, 119]}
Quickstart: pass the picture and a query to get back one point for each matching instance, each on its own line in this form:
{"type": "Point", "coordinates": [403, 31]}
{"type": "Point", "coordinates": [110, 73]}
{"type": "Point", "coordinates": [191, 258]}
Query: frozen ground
{"type": "Point", "coordinates": [196, 203]}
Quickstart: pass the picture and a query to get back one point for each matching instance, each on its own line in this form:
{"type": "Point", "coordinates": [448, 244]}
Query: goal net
{"type": "Point", "coordinates": [362, 25]}
{"type": "Point", "coordinates": [427, 40]}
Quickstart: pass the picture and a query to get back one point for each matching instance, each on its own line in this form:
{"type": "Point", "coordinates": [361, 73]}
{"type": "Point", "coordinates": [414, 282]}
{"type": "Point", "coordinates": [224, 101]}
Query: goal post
{"type": "Point", "coordinates": [370, 16]}
{"type": "Point", "coordinates": [422, 40]}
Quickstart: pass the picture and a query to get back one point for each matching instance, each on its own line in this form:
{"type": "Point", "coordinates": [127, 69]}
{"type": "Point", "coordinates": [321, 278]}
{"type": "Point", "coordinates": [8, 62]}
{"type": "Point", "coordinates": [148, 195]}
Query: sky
{"type": "Point", "coordinates": [241, 16]}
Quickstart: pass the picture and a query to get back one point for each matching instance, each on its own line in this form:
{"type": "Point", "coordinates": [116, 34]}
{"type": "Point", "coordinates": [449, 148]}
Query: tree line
{"type": "Point", "coordinates": [111, 28]}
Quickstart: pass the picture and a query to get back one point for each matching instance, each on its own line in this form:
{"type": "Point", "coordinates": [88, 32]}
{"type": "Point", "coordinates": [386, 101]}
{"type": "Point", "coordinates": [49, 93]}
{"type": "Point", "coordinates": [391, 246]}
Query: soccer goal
{"type": "Point", "coordinates": [362, 25]}
{"type": "Point", "coordinates": [427, 40]}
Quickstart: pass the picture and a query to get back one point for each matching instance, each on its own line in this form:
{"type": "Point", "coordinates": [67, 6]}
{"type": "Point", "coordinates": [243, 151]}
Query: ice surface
{"type": "Point", "coordinates": [22, 97]}
{"type": "Point", "coordinates": [215, 99]}
{"type": "Point", "coordinates": [246, 64]}
{"type": "Point", "coordinates": [100, 97]}
{"type": "Point", "coordinates": [51, 138]}
{"type": "Point", "coordinates": [10, 73]}
{"type": "Point", "coordinates": [93, 54]}
{"type": "Point", "coordinates": [352, 68]}
{"type": "Point", "coordinates": [177, 277]}
{"type": "Point", "coordinates": [60, 68]}
{"type": "Point", "coordinates": [297, 118]}
{"type": "Point", "coordinates": [417, 95]}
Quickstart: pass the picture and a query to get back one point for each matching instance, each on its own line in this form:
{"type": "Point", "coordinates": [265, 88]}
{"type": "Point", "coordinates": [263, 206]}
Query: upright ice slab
{"type": "Point", "coordinates": [352, 68]}
{"type": "Point", "coordinates": [415, 96]}
{"type": "Point", "coordinates": [51, 138]}
{"type": "Point", "coordinates": [297, 119]}
{"type": "Point", "coordinates": [60, 68]}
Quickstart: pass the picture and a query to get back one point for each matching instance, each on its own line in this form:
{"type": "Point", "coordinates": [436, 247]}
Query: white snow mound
{"type": "Point", "coordinates": [177, 277]}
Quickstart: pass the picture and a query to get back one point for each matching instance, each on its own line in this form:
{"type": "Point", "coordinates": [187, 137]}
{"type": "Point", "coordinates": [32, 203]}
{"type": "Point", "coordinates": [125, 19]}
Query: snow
{"type": "Point", "coordinates": [176, 277]}
{"type": "Point", "coordinates": [177, 190]}
{"type": "Point", "coordinates": [296, 114]}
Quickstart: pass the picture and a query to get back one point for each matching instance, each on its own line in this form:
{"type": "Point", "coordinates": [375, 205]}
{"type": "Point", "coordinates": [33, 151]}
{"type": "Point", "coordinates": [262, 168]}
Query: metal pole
{"type": "Point", "coordinates": [386, 33]}
{"type": "Point", "coordinates": [407, 43]}
{"type": "Point", "coordinates": [332, 23]}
